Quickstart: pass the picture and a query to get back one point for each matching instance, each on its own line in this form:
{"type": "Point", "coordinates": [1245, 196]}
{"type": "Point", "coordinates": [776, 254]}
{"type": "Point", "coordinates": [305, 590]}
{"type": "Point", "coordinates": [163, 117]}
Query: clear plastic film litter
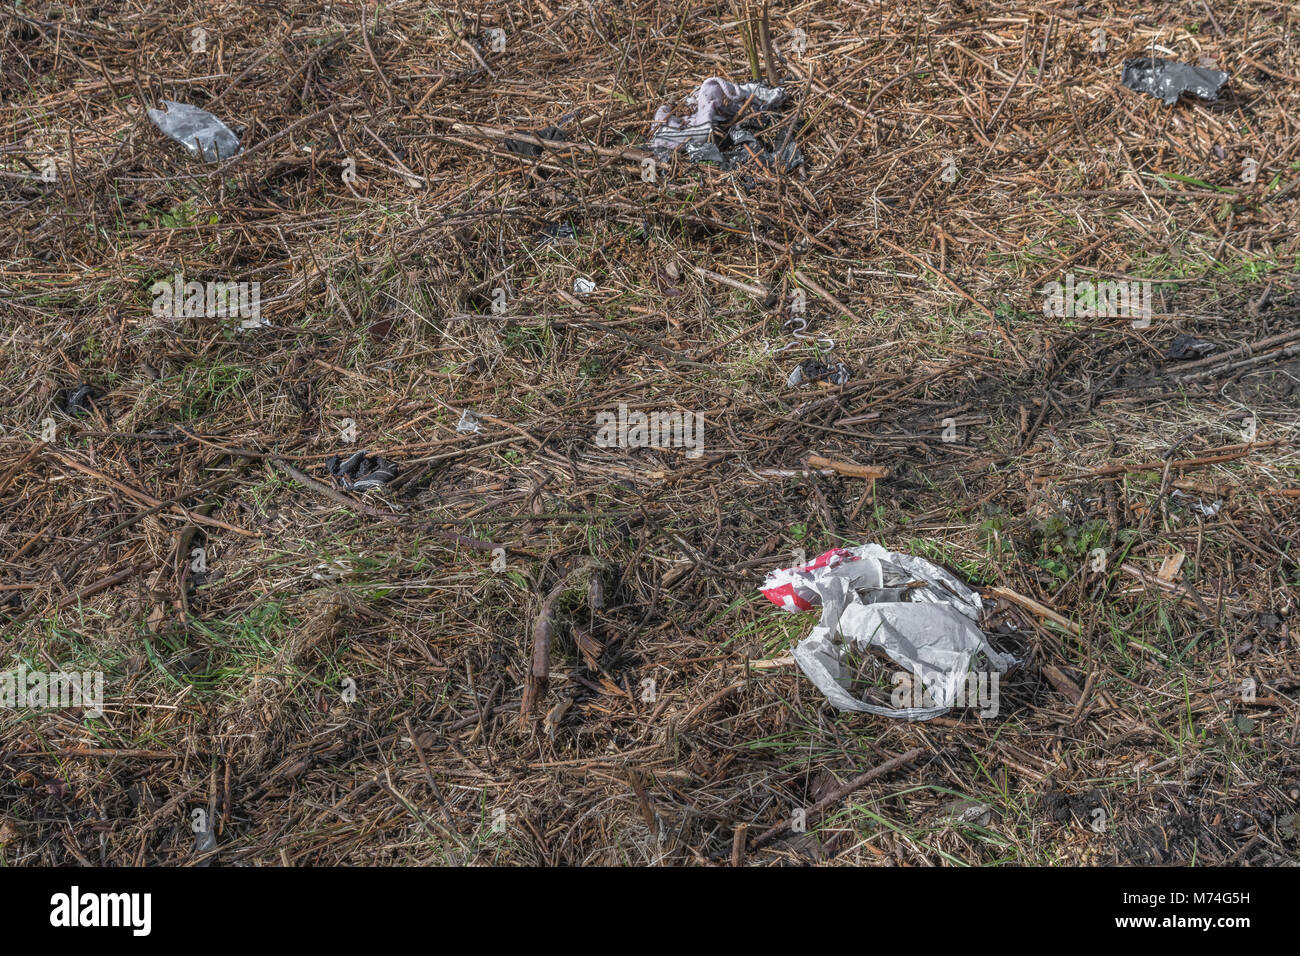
{"type": "Point", "coordinates": [469, 424]}
{"type": "Point", "coordinates": [918, 614]}
{"type": "Point", "coordinates": [200, 132]}
{"type": "Point", "coordinates": [717, 103]}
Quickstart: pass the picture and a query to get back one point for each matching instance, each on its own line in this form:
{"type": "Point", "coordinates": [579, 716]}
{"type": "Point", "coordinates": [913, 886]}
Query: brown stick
{"type": "Point", "coordinates": [839, 793]}
{"type": "Point", "coordinates": [17, 466]}
{"type": "Point", "coordinates": [1042, 610]}
{"type": "Point", "coordinates": [738, 844]}
{"type": "Point", "coordinates": [337, 496]}
{"type": "Point", "coordinates": [93, 588]}
{"type": "Point", "coordinates": [1056, 677]}
{"type": "Point", "coordinates": [1230, 453]}
{"type": "Point", "coordinates": [149, 499]}
{"type": "Point", "coordinates": [108, 752]}
{"type": "Point", "coordinates": [1249, 349]}
{"type": "Point", "coordinates": [730, 283]}
{"type": "Point", "coordinates": [848, 467]}
{"type": "Point", "coordinates": [1220, 370]}
{"type": "Point", "coordinates": [539, 672]}
{"type": "Point", "coordinates": [556, 145]}
{"type": "Point", "coordinates": [812, 284]}
{"type": "Point", "coordinates": [921, 262]}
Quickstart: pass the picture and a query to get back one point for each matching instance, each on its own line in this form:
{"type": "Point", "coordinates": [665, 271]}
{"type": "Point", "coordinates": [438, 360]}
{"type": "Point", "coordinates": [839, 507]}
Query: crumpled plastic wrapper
{"type": "Point", "coordinates": [917, 613]}
{"type": "Point", "coordinates": [359, 472]}
{"type": "Point", "coordinates": [554, 231]}
{"type": "Point", "coordinates": [716, 103]}
{"type": "Point", "coordinates": [1167, 80]}
{"type": "Point", "coordinates": [1198, 504]}
{"type": "Point", "coordinates": [1186, 346]}
{"type": "Point", "coordinates": [811, 370]}
{"type": "Point", "coordinates": [78, 402]}
{"type": "Point", "coordinates": [205, 136]}
{"type": "Point", "coordinates": [552, 134]}
{"type": "Point", "coordinates": [469, 424]}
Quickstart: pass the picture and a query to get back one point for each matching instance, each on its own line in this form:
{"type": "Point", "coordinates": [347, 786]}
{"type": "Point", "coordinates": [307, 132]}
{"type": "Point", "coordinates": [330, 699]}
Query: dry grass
{"type": "Point", "coordinates": [223, 690]}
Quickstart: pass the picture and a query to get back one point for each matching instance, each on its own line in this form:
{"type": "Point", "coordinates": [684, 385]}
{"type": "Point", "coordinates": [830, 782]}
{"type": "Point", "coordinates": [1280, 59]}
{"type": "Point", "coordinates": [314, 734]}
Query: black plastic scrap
{"type": "Point", "coordinates": [78, 402]}
{"type": "Point", "coordinates": [197, 130]}
{"type": "Point", "coordinates": [557, 230]}
{"type": "Point", "coordinates": [709, 135]}
{"type": "Point", "coordinates": [811, 370]}
{"type": "Point", "coordinates": [551, 134]}
{"type": "Point", "coordinates": [1167, 80]}
{"type": "Point", "coordinates": [1186, 346]}
{"type": "Point", "coordinates": [360, 473]}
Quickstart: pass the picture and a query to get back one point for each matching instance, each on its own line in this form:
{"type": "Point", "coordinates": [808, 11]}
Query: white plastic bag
{"type": "Point", "coordinates": [917, 613]}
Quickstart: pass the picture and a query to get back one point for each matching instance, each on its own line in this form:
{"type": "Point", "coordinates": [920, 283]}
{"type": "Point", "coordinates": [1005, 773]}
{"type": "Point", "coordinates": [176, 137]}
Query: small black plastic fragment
{"type": "Point", "coordinates": [550, 134]}
{"type": "Point", "coordinates": [557, 230]}
{"type": "Point", "coordinates": [1167, 80]}
{"type": "Point", "coordinates": [79, 399]}
{"type": "Point", "coordinates": [1186, 346]}
{"type": "Point", "coordinates": [359, 472]}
